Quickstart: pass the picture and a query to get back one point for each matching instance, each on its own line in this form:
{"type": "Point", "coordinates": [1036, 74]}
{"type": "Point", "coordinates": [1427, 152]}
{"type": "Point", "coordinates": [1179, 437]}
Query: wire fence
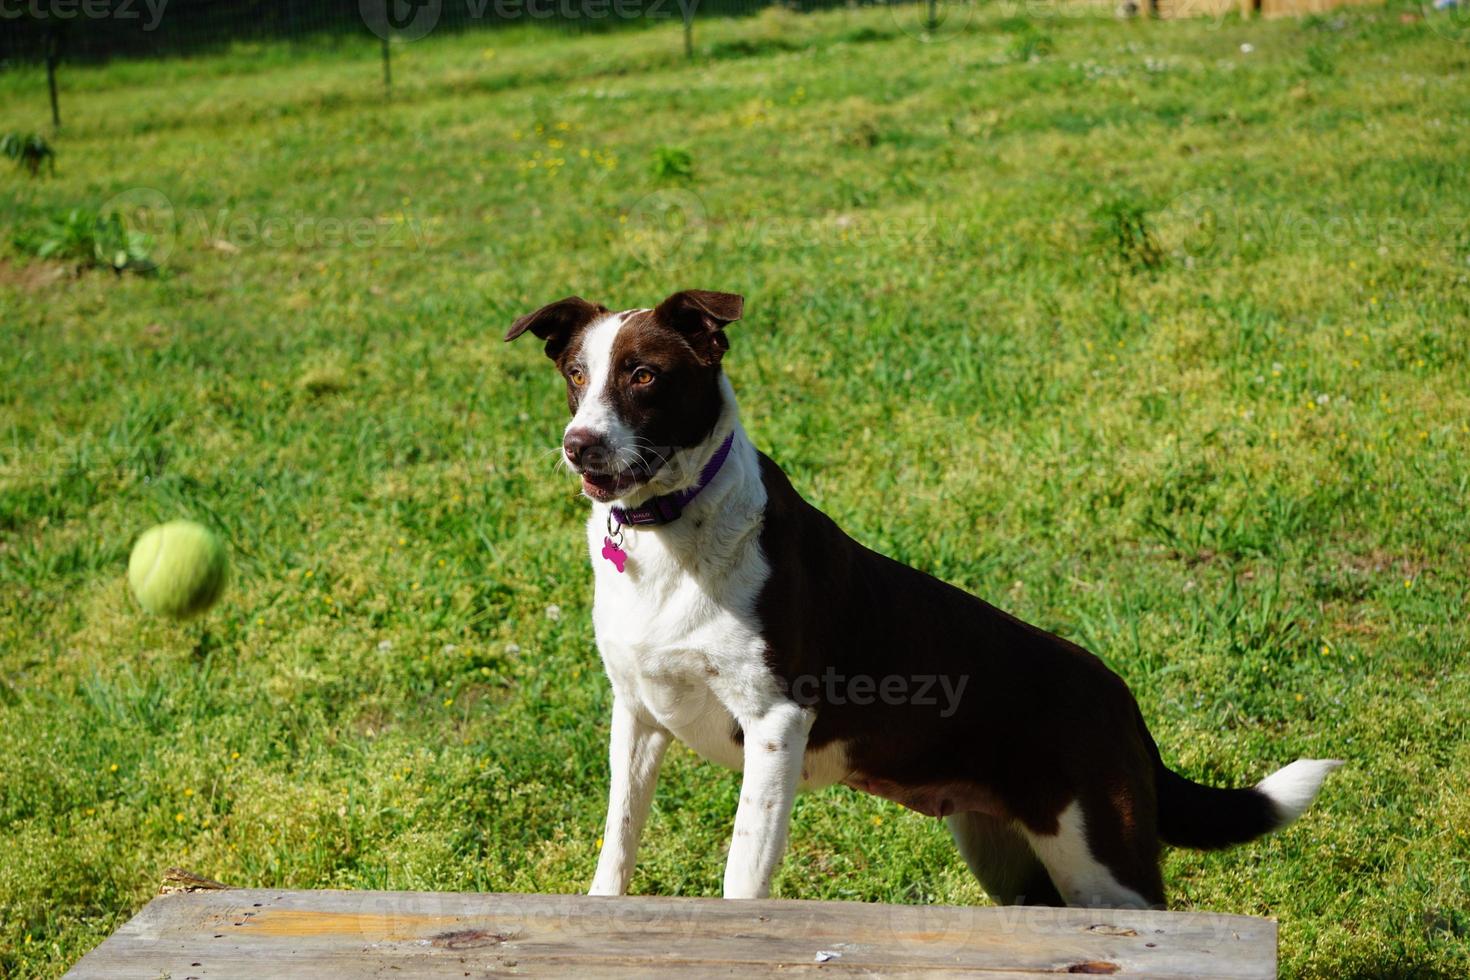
{"type": "Point", "coordinates": [54, 32]}
{"type": "Point", "coordinates": [31, 31]}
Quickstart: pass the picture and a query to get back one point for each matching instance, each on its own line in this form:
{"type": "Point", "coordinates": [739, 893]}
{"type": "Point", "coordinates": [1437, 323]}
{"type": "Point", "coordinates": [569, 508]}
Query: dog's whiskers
{"type": "Point", "coordinates": [560, 460]}
{"type": "Point", "coordinates": [640, 447]}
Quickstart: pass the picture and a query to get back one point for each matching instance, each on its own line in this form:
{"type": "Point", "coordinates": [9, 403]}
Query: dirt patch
{"type": "Point", "coordinates": [32, 276]}
{"type": "Point", "coordinates": [1377, 562]}
{"type": "Point", "coordinates": [469, 939]}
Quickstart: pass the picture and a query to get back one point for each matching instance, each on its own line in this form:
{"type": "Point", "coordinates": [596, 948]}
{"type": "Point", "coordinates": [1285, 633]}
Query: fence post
{"type": "Point", "coordinates": [688, 7]}
{"type": "Point", "coordinates": [387, 69]}
{"type": "Point", "coordinates": [51, 73]}
{"type": "Point", "coordinates": [933, 18]}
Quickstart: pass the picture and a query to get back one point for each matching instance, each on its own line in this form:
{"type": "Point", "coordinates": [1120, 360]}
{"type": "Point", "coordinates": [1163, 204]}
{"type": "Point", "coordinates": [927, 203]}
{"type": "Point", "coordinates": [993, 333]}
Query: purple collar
{"type": "Point", "coordinates": [666, 509]}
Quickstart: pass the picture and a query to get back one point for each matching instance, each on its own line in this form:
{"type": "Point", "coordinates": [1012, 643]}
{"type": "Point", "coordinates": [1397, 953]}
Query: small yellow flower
{"type": "Point", "coordinates": [599, 846]}
{"type": "Point", "coordinates": [234, 755]}
{"type": "Point", "coordinates": [308, 573]}
{"type": "Point", "coordinates": [402, 541]}
{"type": "Point", "coordinates": [188, 791]}
{"type": "Point", "coordinates": [877, 821]}
{"type": "Point", "coordinates": [179, 817]}
{"type": "Point", "coordinates": [112, 768]}
{"type": "Point", "coordinates": [448, 702]}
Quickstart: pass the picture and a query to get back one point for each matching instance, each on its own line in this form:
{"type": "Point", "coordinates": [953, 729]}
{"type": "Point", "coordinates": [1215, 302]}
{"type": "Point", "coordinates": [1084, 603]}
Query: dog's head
{"type": "Point", "coordinates": [644, 386]}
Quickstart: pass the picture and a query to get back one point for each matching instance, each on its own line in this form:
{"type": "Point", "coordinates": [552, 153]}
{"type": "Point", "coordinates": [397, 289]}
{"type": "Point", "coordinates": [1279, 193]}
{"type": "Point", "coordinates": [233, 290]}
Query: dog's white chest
{"type": "Point", "coordinates": [684, 645]}
{"type": "Point", "coordinates": [680, 637]}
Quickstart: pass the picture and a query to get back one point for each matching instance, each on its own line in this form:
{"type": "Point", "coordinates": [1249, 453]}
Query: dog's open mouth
{"type": "Point", "coordinates": [610, 486]}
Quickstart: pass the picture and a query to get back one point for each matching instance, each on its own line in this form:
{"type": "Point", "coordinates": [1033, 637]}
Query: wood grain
{"type": "Point", "coordinates": [257, 933]}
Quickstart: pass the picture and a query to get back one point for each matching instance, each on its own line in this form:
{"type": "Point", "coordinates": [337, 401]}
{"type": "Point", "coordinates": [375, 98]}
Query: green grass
{"type": "Point", "coordinates": [1158, 344]}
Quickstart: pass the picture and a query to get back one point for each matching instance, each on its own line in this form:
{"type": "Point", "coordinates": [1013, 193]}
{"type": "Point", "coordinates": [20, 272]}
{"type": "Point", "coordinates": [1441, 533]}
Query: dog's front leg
{"type": "Point", "coordinates": [635, 753]}
{"type": "Point", "coordinates": [775, 745]}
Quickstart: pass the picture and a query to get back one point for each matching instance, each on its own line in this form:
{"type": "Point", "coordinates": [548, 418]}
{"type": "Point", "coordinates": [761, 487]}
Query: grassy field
{"type": "Point", "coordinates": [1152, 338]}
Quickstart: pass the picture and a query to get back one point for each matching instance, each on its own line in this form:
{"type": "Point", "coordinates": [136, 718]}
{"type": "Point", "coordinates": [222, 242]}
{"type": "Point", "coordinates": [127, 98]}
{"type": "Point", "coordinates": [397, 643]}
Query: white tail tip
{"type": "Point", "coordinates": [1293, 788]}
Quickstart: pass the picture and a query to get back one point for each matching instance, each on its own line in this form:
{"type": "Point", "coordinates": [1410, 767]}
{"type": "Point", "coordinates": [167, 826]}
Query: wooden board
{"type": "Point", "coordinates": [254, 933]}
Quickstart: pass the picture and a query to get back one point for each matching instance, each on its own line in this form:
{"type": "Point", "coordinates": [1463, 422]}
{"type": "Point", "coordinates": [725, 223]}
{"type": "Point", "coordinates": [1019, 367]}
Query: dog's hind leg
{"type": "Point", "coordinates": [1003, 861]}
{"type": "Point", "coordinates": [1096, 862]}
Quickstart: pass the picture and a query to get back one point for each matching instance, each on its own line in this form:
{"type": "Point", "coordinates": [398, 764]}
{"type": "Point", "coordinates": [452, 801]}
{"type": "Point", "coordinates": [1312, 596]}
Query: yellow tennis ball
{"type": "Point", "coordinates": [178, 569]}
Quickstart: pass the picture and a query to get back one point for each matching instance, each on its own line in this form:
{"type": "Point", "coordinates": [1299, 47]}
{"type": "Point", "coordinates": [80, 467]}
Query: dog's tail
{"type": "Point", "coordinates": [1206, 817]}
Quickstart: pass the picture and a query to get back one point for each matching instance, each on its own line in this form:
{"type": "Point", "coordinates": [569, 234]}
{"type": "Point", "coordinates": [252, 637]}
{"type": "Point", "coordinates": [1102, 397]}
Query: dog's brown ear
{"type": "Point", "coordinates": [701, 316]}
{"type": "Point", "coordinates": [556, 322]}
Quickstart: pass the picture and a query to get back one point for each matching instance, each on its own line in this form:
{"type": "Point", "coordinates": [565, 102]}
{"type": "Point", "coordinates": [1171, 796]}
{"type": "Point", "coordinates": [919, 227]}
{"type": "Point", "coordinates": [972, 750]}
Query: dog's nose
{"type": "Point", "coordinates": [582, 446]}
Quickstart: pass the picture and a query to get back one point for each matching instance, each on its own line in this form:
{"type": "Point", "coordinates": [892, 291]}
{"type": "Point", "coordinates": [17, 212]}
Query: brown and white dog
{"type": "Point", "coordinates": [735, 616]}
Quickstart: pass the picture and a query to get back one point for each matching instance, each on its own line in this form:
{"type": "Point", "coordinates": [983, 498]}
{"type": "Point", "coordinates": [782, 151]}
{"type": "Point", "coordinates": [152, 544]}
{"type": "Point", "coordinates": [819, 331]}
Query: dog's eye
{"type": "Point", "coordinates": [578, 378]}
{"type": "Point", "coordinates": [643, 376]}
